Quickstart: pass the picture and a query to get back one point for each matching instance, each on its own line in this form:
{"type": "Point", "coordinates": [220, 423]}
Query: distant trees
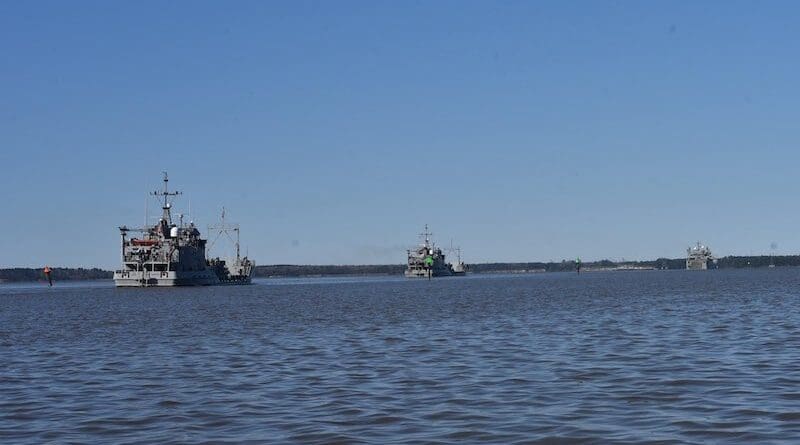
{"type": "Point", "coordinates": [58, 273]}
{"type": "Point", "coordinates": [758, 261]}
{"type": "Point", "coordinates": [287, 270]}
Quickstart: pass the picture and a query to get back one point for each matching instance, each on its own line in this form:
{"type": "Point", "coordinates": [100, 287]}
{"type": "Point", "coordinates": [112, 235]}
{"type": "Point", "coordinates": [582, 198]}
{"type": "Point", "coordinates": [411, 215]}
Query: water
{"type": "Point", "coordinates": [616, 357]}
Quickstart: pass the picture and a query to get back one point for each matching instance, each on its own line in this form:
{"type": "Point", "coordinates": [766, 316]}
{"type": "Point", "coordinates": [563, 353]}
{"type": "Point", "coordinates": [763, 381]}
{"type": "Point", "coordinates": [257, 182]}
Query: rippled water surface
{"type": "Point", "coordinates": [616, 357]}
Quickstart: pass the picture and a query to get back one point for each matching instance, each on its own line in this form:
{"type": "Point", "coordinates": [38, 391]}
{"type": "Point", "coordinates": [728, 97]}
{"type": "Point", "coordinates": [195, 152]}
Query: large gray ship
{"type": "Point", "coordinates": [427, 260]}
{"type": "Point", "coordinates": [698, 257]}
{"type": "Point", "coordinates": [172, 253]}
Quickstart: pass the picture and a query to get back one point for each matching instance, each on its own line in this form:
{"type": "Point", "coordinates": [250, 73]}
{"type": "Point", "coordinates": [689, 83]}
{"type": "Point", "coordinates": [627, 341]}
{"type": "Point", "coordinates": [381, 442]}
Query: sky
{"type": "Point", "coordinates": [333, 131]}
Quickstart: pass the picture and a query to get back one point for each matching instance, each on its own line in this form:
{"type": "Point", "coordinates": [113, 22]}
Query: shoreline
{"type": "Point", "coordinates": [23, 274]}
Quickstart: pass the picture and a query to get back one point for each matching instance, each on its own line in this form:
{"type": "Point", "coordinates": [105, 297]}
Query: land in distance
{"type": "Point", "coordinates": [286, 270]}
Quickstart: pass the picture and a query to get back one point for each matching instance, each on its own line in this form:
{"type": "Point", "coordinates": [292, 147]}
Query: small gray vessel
{"type": "Point", "coordinates": [174, 254]}
{"type": "Point", "coordinates": [427, 260]}
{"type": "Point", "coordinates": [459, 268]}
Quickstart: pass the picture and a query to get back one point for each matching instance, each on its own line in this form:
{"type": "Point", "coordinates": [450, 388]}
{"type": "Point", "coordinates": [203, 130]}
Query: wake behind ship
{"type": "Point", "coordinates": [174, 254]}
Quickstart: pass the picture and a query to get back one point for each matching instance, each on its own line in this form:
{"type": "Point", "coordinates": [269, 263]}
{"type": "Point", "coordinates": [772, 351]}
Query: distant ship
{"type": "Point", "coordinates": [458, 268]}
{"type": "Point", "coordinates": [698, 257]}
{"type": "Point", "coordinates": [428, 261]}
{"type": "Point", "coordinates": [174, 254]}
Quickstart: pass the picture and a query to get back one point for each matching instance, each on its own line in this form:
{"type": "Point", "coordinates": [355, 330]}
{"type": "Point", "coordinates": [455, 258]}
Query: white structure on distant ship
{"type": "Point", "coordinates": [698, 257]}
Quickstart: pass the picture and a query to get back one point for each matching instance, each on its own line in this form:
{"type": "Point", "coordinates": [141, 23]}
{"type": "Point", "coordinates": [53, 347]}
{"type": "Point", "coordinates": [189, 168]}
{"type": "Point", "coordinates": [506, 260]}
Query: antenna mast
{"type": "Point", "coordinates": [427, 236]}
{"type": "Point", "coordinates": [167, 216]}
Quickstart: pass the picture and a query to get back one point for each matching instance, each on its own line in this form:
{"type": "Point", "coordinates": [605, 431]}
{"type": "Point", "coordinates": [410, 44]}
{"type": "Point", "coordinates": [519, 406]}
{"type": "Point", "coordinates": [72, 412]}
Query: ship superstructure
{"type": "Point", "coordinates": [171, 253]}
{"type": "Point", "coordinates": [427, 260]}
{"type": "Point", "coordinates": [698, 257]}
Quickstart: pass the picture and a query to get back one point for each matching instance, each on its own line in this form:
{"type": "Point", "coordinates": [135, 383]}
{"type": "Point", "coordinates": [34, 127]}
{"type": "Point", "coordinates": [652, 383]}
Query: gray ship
{"type": "Point", "coordinates": [698, 257]}
{"type": "Point", "coordinates": [459, 268]}
{"type": "Point", "coordinates": [174, 254]}
{"type": "Point", "coordinates": [427, 260]}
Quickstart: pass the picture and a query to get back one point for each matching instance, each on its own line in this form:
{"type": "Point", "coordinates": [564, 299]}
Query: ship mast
{"type": "Point", "coordinates": [426, 235]}
{"type": "Point", "coordinates": [166, 215]}
{"type": "Point", "coordinates": [457, 250]}
{"type": "Point", "coordinates": [224, 228]}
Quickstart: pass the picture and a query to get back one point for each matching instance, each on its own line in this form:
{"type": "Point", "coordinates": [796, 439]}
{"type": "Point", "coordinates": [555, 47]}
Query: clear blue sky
{"type": "Point", "coordinates": [332, 131]}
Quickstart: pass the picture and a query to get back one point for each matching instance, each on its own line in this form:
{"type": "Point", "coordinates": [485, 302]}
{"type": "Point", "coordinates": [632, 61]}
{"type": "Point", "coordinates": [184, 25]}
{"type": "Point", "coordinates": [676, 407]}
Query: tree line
{"type": "Point", "coordinates": [58, 273]}
{"type": "Point", "coordinates": [287, 270]}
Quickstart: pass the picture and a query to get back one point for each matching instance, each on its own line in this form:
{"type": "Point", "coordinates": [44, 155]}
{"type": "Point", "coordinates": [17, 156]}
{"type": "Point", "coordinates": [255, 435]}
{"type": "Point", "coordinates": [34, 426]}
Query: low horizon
{"type": "Point", "coordinates": [403, 263]}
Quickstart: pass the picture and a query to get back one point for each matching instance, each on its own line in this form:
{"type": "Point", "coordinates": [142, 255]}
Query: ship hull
{"type": "Point", "coordinates": [421, 273]}
{"type": "Point", "coordinates": [234, 280]}
{"type": "Point", "coordinates": [132, 278]}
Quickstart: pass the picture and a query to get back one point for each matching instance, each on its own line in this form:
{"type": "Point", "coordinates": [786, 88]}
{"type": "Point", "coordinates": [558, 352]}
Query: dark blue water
{"type": "Point", "coordinates": [616, 357]}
